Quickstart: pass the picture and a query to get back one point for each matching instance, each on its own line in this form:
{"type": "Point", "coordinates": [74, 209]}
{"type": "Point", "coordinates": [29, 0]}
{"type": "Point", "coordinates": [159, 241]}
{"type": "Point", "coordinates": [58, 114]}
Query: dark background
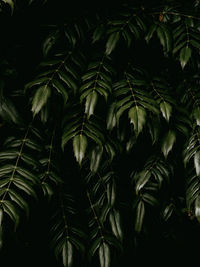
{"type": "Point", "coordinates": [21, 38]}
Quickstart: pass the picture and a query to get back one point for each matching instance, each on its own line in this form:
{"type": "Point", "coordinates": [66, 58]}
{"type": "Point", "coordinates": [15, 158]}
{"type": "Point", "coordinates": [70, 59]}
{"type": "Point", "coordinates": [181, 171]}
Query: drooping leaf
{"type": "Point", "coordinates": [168, 142]}
{"type": "Point", "coordinates": [197, 162]}
{"type": "Point", "coordinates": [79, 147]}
{"type": "Point", "coordinates": [67, 254]}
{"type": "Point", "coordinates": [90, 103]}
{"type": "Point", "coordinates": [185, 55]}
{"type": "Point", "coordinates": [141, 179]}
{"type": "Point", "coordinates": [61, 89]}
{"type": "Point", "coordinates": [166, 110]}
{"type": "Point", "coordinates": [196, 114]}
{"type": "Point", "coordinates": [111, 43]}
{"type": "Point", "coordinates": [140, 211]}
{"type": "Point", "coordinates": [115, 222]}
{"type": "Point", "coordinates": [137, 116]}
{"type": "Point", "coordinates": [104, 255]}
{"type": "Point", "coordinates": [95, 160]}
{"type": "Point", "coordinates": [197, 208]}
{"type": "Point", "coordinates": [40, 98]}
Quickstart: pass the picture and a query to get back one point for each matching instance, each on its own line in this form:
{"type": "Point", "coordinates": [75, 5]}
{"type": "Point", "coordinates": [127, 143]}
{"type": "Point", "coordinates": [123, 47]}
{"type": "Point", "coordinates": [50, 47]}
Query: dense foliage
{"type": "Point", "coordinates": [100, 130]}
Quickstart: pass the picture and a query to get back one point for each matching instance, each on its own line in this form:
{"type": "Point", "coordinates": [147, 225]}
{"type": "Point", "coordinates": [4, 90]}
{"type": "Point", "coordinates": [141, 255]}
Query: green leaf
{"type": "Point", "coordinates": [137, 116]}
{"type": "Point", "coordinates": [12, 212]}
{"type": "Point", "coordinates": [111, 43]}
{"type": "Point", "coordinates": [111, 193]}
{"type": "Point", "coordinates": [197, 207]}
{"type": "Point", "coordinates": [96, 244]}
{"type": "Point", "coordinates": [95, 159]}
{"type": "Point", "coordinates": [25, 186]}
{"type": "Point", "coordinates": [185, 55]}
{"type": "Point", "coordinates": [61, 89]}
{"type": "Point", "coordinates": [168, 142]}
{"type": "Point", "coordinates": [196, 114]}
{"type": "Point", "coordinates": [19, 201]}
{"type": "Point", "coordinates": [166, 110]}
{"type": "Point", "coordinates": [79, 147]}
{"type": "Point", "coordinates": [141, 179]}
{"type": "Point", "coordinates": [90, 103]}
{"type": "Point", "coordinates": [115, 222]}
{"type": "Point", "coordinates": [35, 82]}
{"type": "Point", "coordinates": [1, 228]}
{"type": "Point", "coordinates": [67, 254]}
{"type": "Point", "coordinates": [40, 98]}
{"type": "Point", "coordinates": [140, 211]}
{"type": "Point", "coordinates": [11, 4]}
{"type": "Point", "coordinates": [111, 117]}
{"type": "Point", "coordinates": [104, 255]}
{"type": "Point", "coordinates": [197, 162]}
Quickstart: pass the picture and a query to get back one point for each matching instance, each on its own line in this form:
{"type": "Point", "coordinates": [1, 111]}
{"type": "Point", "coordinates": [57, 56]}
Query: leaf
{"type": "Point", "coordinates": [104, 255]}
{"type": "Point", "coordinates": [19, 201]}
{"type": "Point", "coordinates": [185, 55]}
{"type": "Point", "coordinates": [11, 4]}
{"type": "Point", "coordinates": [96, 244]}
{"type": "Point", "coordinates": [137, 116]}
{"type": "Point", "coordinates": [1, 228]}
{"type": "Point", "coordinates": [79, 147]}
{"type": "Point", "coordinates": [166, 110]}
{"type": "Point", "coordinates": [9, 112]}
{"type": "Point", "coordinates": [111, 117]}
{"type": "Point", "coordinates": [114, 218]}
{"type": "Point", "coordinates": [140, 211]}
{"type": "Point", "coordinates": [141, 179]}
{"type": "Point", "coordinates": [167, 212]}
{"type": "Point", "coordinates": [40, 98]}
{"type": "Point", "coordinates": [67, 254]}
{"type": "Point", "coordinates": [197, 162]}
{"type": "Point", "coordinates": [90, 103]}
{"type": "Point", "coordinates": [168, 142]}
{"type": "Point", "coordinates": [61, 89]}
{"type": "Point", "coordinates": [196, 114]}
{"type": "Point", "coordinates": [111, 193]}
{"type": "Point", "coordinates": [10, 209]}
{"type": "Point", "coordinates": [197, 208]}
{"type": "Point", "coordinates": [111, 43]}
{"type": "Point", "coordinates": [96, 156]}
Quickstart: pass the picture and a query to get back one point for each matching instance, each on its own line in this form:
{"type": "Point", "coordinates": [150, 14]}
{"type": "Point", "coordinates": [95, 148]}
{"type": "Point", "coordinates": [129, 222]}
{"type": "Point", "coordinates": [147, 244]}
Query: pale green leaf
{"type": "Point", "coordinates": [196, 114]}
{"type": "Point", "coordinates": [67, 254]}
{"type": "Point", "coordinates": [115, 223]}
{"type": "Point", "coordinates": [141, 179]}
{"type": "Point", "coordinates": [40, 98]}
{"type": "Point", "coordinates": [168, 142]}
{"type": "Point", "coordinates": [104, 255]}
{"type": "Point", "coordinates": [79, 147]}
{"type": "Point", "coordinates": [166, 110]}
{"type": "Point", "coordinates": [140, 211]}
{"type": "Point", "coordinates": [185, 55]}
{"type": "Point", "coordinates": [95, 159]}
{"type": "Point", "coordinates": [197, 162]}
{"type": "Point", "coordinates": [90, 103]}
{"type": "Point", "coordinates": [61, 89]}
{"type": "Point", "coordinates": [137, 116]}
{"type": "Point", "coordinates": [111, 43]}
{"type": "Point", "coordinates": [197, 208]}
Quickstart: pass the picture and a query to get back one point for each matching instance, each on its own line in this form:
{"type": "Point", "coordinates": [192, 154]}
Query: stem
{"type": "Point", "coordinates": [131, 89]}
{"type": "Point", "coordinates": [95, 216]}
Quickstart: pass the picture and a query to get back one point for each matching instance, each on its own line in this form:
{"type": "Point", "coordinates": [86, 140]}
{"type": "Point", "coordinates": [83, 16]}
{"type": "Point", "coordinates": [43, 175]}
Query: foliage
{"type": "Point", "coordinates": [98, 123]}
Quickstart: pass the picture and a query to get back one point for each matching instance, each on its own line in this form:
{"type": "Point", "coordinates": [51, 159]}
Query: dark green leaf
{"type": "Point", "coordinates": [185, 55]}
